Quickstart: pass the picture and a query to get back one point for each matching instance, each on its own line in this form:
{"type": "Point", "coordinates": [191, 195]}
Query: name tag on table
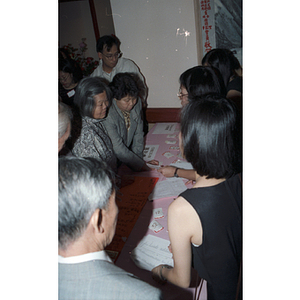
{"type": "Point", "coordinates": [171, 136]}
{"type": "Point", "coordinates": [170, 142]}
{"type": "Point", "coordinates": [176, 148]}
{"type": "Point", "coordinates": [155, 226]}
{"type": "Point", "coordinates": [150, 152]}
{"type": "Point", "coordinates": [158, 213]}
{"type": "Point", "coordinates": [164, 128]}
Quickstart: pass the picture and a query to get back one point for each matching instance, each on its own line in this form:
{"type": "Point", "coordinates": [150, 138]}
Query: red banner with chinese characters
{"type": "Point", "coordinates": [130, 199]}
{"type": "Point", "coordinates": [207, 25]}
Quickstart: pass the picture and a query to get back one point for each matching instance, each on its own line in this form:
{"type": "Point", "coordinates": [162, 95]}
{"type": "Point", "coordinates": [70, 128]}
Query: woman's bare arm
{"type": "Point", "coordinates": [183, 221]}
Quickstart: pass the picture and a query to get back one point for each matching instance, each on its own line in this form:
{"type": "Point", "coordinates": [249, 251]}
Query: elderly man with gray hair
{"type": "Point", "coordinates": [86, 225]}
{"type": "Point", "coordinates": [64, 124]}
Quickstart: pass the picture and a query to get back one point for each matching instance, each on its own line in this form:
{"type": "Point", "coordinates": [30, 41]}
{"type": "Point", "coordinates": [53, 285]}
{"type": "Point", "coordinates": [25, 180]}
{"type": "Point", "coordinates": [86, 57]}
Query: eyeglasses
{"type": "Point", "coordinates": [111, 56]}
{"type": "Point", "coordinates": [180, 95]}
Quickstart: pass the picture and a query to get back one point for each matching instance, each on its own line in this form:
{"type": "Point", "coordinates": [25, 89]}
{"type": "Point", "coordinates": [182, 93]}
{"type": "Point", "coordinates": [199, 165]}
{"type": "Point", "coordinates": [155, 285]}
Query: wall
{"type": "Point", "coordinates": [104, 17]}
{"type": "Point", "coordinates": [75, 22]}
{"type": "Point", "coordinates": [160, 36]}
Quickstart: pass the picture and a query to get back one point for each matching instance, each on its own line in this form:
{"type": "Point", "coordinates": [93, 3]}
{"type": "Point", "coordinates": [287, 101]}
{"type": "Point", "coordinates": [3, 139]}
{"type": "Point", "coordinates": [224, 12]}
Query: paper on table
{"type": "Point", "coordinates": [151, 252]}
{"type": "Point", "coordinates": [167, 188]}
{"type": "Point", "coordinates": [182, 164]}
{"type": "Point", "coordinates": [164, 128]}
{"type": "Point", "coordinates": [150, 152]}
{"type": "Point", "coordinates": [154, 167]}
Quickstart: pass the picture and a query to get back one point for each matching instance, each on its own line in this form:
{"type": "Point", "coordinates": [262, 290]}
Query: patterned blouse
{"type": "Point", "coordinates": [94, 142]}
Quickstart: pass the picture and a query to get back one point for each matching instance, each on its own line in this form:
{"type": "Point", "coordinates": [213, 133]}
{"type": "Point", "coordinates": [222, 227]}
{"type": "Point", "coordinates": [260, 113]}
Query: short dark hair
{"type": "Point", "coordinates": [84, 184]}
{"type": "Point", "coordinates": [223, 60]}
{"type": "Point", "coordinates": [108, 41]}
{"type": "Point", "coordinates": [85, 92]}
{"type": "Point", "coordinates": [208, 130]}
{"type": "Point", "coordinates": [124, 84]}
{"type": "Point", "coordinates": [201, 80]}
{"type": "Point", "coordinates": [69, 65]}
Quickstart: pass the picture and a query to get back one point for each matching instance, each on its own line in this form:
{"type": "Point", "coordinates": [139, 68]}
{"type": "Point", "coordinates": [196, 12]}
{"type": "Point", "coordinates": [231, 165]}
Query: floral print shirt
{"type": "Point", "coordinates": [94, 142]}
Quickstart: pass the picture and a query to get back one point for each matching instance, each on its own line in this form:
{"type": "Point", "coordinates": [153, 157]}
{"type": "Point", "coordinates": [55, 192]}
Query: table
{"type": "Point", "coordinates": [166, 153]}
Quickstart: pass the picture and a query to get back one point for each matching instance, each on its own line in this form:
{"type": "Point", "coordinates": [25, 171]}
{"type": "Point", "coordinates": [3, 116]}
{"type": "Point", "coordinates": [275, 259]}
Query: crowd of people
{"type": "Point", "coordinates": [101, 126]}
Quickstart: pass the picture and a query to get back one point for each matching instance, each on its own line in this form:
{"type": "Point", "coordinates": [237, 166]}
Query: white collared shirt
{"type": "Point", "coordinates": [123, 65]}
{"type": "Point", "coordinates": [100, 255]}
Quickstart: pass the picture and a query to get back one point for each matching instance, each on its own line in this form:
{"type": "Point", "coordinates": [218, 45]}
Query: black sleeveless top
{"type": "Point", "coordinates": [235, 84]}
{"type": "Point", "coordinates": [218, 259]}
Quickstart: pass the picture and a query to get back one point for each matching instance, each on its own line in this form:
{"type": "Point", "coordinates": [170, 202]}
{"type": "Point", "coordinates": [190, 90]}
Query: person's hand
{"type": "Point", "coordinates": [153, 162]}
{"type": "Point", "coordinates": [167, 171]}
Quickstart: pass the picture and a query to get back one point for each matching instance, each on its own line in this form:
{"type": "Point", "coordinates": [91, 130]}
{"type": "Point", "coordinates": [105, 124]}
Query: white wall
{"type": "Point", "coordinates": [160, 37]}
{"type": "Point", "coordinates": [76, 23]}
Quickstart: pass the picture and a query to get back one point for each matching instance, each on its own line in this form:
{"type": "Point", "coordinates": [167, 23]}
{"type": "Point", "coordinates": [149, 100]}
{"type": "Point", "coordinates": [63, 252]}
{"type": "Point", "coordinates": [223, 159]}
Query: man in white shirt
{"type": "Point", "coordinates": [86, 225]}
{"type": "Point", "coordinates": [112, 62]}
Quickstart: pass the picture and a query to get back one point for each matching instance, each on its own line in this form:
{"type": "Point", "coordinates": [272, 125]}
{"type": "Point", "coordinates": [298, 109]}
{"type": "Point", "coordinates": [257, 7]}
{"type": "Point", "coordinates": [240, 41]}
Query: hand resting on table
{"type": "Point", "coordinates": [151, 162]}
{"type": "Point", "coordinates": [169, 171]}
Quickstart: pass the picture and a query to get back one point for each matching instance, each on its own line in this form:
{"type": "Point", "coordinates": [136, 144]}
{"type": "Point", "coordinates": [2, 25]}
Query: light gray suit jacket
{"type": "Point", "coordinates": [99, 279]}
{"type": "Point", "coordinates": [128, 146]}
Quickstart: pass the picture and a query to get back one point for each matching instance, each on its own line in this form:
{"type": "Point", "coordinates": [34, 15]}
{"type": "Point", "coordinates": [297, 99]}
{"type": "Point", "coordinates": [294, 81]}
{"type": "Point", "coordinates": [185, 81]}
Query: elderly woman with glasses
{"type": "Point", "coordinates": [124, 122]}
{"type": "Point", "coordinates": [93, 98]}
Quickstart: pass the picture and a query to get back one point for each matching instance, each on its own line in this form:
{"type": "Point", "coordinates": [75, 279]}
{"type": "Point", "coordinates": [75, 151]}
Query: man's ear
{"type": "Point", "coordinates": [99, 55]}
{"type": "Point", "coordinates": [96, 220]}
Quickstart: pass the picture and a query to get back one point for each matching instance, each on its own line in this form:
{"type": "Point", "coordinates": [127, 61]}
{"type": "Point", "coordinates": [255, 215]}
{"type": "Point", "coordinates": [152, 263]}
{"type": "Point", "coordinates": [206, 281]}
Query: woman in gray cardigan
{"type": "Point", "coordinates": [124, 122]}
